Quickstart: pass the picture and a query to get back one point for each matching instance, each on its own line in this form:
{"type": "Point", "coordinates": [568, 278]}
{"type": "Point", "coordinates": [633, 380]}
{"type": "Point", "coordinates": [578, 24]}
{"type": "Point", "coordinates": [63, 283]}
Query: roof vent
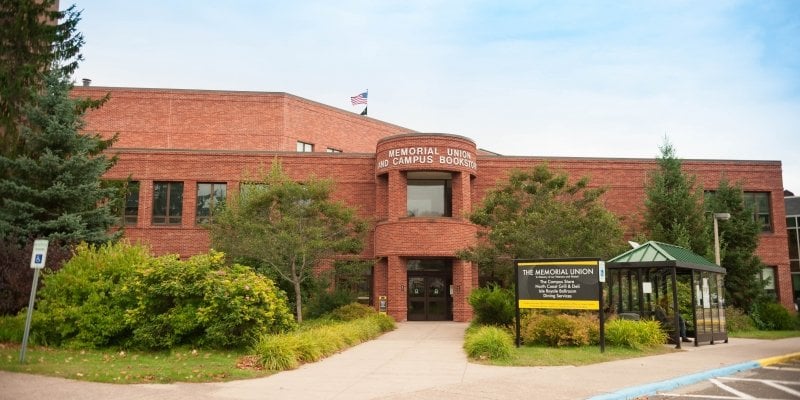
{"type": "Point", "coordinates": [87, 82]}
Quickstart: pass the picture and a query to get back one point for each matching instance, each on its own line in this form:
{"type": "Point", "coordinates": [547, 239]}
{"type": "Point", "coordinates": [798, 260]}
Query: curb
{"type": "Point", "coordinates": [653, 388]}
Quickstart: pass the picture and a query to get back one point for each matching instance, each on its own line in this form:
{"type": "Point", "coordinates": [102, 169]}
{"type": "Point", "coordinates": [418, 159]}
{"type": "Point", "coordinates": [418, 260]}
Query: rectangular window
{"type": "Point", "coordinates": [758, 202]}
{"type": "Point", "coordinates": [303, 147]}
{"type": "Point", "coordinates": [209, 196]}
{"type": "Point", "coordinates": [332, 150]}
{"type": "Point", "coordinates": [767, 277]}
{"type": "Point", "coordinates": [429, 194]}
{"type": "Point", "coordinates": [167, 203]}
{"type": "Point", "coordinates": [131, 216]}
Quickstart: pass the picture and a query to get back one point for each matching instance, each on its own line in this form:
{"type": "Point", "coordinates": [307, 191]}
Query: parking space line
{"type": "Point", "coordinates": [730, 390]}
{"type": "Point", "coordinates": [783, 388]}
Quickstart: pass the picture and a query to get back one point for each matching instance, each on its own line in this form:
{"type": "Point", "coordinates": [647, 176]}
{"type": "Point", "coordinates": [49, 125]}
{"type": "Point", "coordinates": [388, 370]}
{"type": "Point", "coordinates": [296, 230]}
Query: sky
{"type": "Point", "coordinates": [718, 79]}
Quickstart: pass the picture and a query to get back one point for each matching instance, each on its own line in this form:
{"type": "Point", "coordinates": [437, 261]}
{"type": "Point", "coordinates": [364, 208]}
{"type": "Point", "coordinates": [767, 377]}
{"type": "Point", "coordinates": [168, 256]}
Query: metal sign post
{"type": "Point", "coordinates": [38, 259]}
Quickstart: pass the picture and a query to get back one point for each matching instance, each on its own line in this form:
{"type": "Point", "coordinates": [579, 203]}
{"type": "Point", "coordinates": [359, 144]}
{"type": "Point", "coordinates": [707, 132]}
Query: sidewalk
{"type": "Point", "coordinates": [419, 360]}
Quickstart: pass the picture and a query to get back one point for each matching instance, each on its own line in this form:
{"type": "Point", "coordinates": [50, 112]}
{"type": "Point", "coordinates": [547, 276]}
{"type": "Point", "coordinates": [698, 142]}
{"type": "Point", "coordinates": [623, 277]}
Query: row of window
{"type": "Point", "coordinates": [429, 194]}
{"type": "Point", "coordinates": [303, 147]}
{"type": "Point", "coordinates": [168, 202]}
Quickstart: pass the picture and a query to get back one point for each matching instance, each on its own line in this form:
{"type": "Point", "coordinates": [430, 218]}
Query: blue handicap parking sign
{"type": "Point", "coordinates": [38, 259]}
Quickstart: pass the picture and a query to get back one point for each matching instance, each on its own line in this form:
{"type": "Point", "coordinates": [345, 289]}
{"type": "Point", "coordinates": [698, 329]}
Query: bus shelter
{"type": "Point", "coordinates": [655, 279]}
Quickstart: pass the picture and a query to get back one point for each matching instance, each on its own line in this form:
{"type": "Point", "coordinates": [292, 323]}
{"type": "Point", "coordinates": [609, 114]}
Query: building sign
{"type": "Point", "coordinates": [571, 284]}
{"type": "Point", "coordinates": [428, 156]}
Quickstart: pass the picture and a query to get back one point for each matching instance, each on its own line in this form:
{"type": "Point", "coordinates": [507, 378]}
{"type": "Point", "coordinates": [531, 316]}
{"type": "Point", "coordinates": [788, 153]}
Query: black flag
{"type": "Point", "coordinates": [364, 112]}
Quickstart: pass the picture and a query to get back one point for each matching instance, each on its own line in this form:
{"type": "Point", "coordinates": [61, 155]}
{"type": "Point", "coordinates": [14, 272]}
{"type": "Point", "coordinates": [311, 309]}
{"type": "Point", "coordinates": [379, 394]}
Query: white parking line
{"type": "Point", "coordinates": [730, 390]}
{"type": "Point", "coordinates": [783, 388]}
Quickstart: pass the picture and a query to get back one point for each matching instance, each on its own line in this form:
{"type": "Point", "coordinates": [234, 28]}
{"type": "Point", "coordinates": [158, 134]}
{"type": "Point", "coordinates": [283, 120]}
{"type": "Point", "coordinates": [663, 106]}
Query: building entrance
{"type": "Point", "coordinates": [428, 290]}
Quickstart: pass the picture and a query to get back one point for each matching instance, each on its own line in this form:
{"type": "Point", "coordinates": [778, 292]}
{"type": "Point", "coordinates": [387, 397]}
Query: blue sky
{"type": "Point", "coordinates": [720, 79]}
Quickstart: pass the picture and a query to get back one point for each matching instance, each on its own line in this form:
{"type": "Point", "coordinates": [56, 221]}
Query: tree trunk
{"type": "Point", "coordinates": [298, 298]}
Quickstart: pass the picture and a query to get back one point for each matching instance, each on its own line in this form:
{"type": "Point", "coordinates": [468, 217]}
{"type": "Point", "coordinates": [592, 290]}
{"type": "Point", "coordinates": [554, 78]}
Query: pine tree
{"type": "Point", "coordinates": [738, 243]}
{"type": "Point", "coordinates": [52, 188]}
{"type": "Point", "coordinates": [35, 37]}
{"type": "Point", "coordinates": [674, 206]}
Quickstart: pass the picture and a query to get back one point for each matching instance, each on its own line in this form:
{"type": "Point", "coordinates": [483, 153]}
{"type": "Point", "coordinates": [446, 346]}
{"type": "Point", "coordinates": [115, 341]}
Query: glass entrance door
{"type": "Point", "coordinates": [427, 298]}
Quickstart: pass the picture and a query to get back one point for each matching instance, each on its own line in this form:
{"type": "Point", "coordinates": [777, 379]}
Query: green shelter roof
{"type": "Point", "coordinates": [653, 251]}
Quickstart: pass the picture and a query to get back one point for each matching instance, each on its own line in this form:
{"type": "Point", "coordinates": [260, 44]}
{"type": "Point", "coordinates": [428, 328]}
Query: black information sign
{"type": "Point", "coordinates": [559, 284]}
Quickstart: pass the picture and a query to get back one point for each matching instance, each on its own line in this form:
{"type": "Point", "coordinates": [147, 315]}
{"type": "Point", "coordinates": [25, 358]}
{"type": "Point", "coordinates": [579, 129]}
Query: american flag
{"type": "Point", "coordinates": [359, 99]}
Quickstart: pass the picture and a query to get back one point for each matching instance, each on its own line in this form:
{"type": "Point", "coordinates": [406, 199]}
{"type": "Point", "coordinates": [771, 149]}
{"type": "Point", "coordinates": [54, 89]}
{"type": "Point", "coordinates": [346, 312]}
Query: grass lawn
{"type": "Point", "coordinates": [177, 365]}
{"type": "Point", "coordinates": [771, 335]}
{"type": "Point", "coordinates": [535, 356]}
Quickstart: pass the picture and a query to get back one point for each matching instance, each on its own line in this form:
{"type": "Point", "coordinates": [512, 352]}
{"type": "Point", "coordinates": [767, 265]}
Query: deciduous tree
{"type": "Point", "coordinates": [288, 226]}
{"type": "Point", "coordinates": [539, 214]}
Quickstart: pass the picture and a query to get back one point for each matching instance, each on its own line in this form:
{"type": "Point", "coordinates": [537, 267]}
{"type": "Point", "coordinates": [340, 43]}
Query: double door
{"type": "Point", "coordinates": [428, 297]}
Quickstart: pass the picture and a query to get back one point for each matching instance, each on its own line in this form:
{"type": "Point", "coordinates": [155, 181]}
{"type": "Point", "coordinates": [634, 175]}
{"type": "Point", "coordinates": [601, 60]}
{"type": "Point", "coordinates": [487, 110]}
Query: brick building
{"type": "Point", "coordinates": [185, 149]}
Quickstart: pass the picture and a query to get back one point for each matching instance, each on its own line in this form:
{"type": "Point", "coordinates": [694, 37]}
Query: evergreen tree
{"type": "Point", "coordinates": [52, 187]}
{"type": "Point", "coordinates": [674, 206]}
{"type": "Point", "coordinates": [288, 227]}
{"type": "Point", "coordinates": [539, 214]}
{"type": "Point", "coordinates": [35, 37]}
{"type": "Point", "coordinates": [738, 243]}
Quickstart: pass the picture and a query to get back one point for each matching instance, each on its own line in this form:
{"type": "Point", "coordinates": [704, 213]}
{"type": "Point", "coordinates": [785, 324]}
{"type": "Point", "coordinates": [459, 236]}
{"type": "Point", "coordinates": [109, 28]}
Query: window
{"type": "Point", "coordinates": [355, 277]}
{"type": "Point", "coordinates": [429, 194]}
{"type": "Point", "coordinates": [131, 216]}
{"type": "Point", "coordinates": [167, 203]}
{"type": "Point", "coordinates": [332, 150]}
{"type": "Point", "coordinates": [303, 147]}
{"type": "Point", "coordinates": [209, 196]}
{"type": "Point", "coordinates": [767, 277]}
{"type": "Point", "coordinates": [758, 202]}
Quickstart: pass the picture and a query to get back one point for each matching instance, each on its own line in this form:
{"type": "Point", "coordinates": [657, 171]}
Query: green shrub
{"type": "Point", "coordinates": [324, 301]}
{"type": "Point", "coordinates": [560, 329]}
{"type": "Point", "coordinates": [489, 342]}
{"type": "Point", "coordinates": [202, 302]}
{"type": "Point", "coordinates": [493, 305]}
{"type": "Point", "coordinates": [309, 347]}
{"type": "Point", "coordinates": [119, 295]}
{"type": "Point", "coordinates": [12, 327]}
{"type": "Point", "coordinates": [84, 303]}
{"type": "Point", "coordinates": [770, 316]}
{"type": "Point", "coordinates": [278, 352]}
{"type": "Point", "coordinates": [352, 311]}
{"type": "Point", "coordinates": [634, 334]}
{"type": "Point", "coordinates": [736, 320]}
{"type": "Point", "coordinates": [287, 350]}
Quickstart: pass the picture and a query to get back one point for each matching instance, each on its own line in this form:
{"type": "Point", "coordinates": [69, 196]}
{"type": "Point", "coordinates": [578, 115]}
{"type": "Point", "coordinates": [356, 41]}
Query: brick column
{"type": "Point", "coordinates": [379, 281]}
{"type": "Point", "coordinates": [397, 195]}
{"type": "Point", "coordinates": [397, 282]}
{"type": "Point", "coordinates": [462, 284]}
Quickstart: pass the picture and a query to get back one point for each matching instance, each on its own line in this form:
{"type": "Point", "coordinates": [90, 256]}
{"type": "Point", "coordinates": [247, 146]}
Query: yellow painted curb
{"type": "Point", "coordinates": [778, 359]}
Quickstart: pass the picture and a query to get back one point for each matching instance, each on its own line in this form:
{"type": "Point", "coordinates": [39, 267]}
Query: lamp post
{"type": "Point", "coordinates": [718, 217]}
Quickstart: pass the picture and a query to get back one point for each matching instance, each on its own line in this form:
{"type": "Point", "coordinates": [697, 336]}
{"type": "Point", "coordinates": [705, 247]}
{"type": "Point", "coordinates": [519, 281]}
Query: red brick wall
{"type": "Point", "coordinates": [226, 120]}
{"type": "Point", "coordinates": [625, 180]}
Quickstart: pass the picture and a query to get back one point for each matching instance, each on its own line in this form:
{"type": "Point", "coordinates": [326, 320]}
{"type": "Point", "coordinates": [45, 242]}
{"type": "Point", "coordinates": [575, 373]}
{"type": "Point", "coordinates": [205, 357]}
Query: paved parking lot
{"type": "Point", "coordinates": [777, 381]}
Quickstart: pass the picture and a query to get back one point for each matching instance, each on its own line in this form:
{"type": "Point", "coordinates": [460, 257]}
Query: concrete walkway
{"type": "Point", "coordinates": [419, 360]}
